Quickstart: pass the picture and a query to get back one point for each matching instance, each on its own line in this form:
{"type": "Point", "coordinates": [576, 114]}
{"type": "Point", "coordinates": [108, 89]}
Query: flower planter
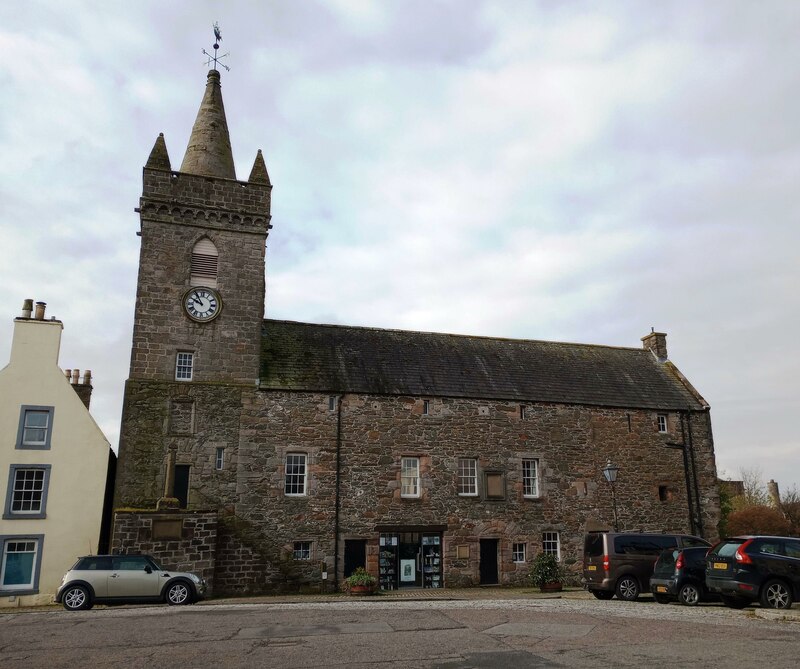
{"type": "Point", "coordinates": [362, 589]}
{"type": "Point", "coordinates": [551, 587]}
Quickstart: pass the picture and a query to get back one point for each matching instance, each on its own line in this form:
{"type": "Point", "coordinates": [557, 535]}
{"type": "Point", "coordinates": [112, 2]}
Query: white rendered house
{"type": "Point", "coordinates": [54, 462]}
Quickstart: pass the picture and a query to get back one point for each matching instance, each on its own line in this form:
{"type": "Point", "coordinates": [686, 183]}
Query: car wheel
{"type": "Point", "coordinates": [602, 594]}
{"type": "Point", "coordinates": [733, 602]}
{"type": "Point", "coordinates": [178, 593]}
{"type": "Point", "coordinates": [776, 595]}
{"type": "Point", "coordinates": [628, 588]}
{"type": "Point", "coordinates": [662, 599]}
{"type": "Point", "coordinates": [76, 598]}
{"type": "Point", "coordinates": [689, 595]}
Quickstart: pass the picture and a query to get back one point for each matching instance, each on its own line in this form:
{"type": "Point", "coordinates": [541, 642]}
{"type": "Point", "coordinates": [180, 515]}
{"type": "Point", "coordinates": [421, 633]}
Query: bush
{"type": "Point", "coordinates": [757, 520]}
{"type": "Point", "coordinates": [545, 569]}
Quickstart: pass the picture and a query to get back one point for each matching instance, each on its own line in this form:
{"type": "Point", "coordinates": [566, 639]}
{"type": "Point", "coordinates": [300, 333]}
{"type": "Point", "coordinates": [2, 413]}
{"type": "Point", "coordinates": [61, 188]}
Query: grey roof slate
{"type": "Point", "coordinates": [335, 358]}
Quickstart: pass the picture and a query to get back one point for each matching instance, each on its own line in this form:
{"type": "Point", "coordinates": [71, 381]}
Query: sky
{"type": "Point", "coordinates": [567, 171]}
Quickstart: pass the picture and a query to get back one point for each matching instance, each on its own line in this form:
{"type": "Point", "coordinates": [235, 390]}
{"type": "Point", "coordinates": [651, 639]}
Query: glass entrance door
{"type": "Point", "coordinates": [410, 558]}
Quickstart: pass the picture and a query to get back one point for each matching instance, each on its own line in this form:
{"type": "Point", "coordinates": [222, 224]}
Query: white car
{"type": "Point", "coordinates": [126, 579]}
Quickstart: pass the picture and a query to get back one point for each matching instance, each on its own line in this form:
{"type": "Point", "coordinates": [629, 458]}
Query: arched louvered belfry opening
{"type": "Point", "coordinates": [204, 263]}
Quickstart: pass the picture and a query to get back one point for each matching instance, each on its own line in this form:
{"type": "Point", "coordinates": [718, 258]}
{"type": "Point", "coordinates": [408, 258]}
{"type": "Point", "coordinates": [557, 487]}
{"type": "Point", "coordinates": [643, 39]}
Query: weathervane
{"type": "Point", "coordinates": [215, 58]}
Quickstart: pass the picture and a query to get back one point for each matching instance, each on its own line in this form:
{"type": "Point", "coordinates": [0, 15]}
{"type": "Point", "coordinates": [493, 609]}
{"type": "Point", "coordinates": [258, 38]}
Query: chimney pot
{"type": "Point", "coordinates": [40, 307]}
{"type": "Point", "coordinates": [76, 376]}
{"type": "Point", "coordinates": [87, 377]}
{"type": "Point", "coordinates": [68, 374]}
{"type": "Point", "coordinates": [27, 308]}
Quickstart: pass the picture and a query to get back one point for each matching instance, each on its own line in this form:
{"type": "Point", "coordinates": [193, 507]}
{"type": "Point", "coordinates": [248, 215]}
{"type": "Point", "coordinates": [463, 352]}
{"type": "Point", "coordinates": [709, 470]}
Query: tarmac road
{"type": "Point", "coordinates": [508, 633]}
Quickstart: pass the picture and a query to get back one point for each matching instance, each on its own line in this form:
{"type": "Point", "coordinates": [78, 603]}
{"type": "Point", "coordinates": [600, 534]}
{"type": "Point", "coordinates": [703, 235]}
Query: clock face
{"type": "Point", "coordinates": [202, 304]}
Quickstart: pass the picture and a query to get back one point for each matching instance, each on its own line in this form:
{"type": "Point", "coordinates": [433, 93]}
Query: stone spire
{"type": "Point", "coordinates": [159, 158]}
{"type": "Point", "coordinates": [259, 175]}
{"type": "Point", "coordinates": [209, 151]}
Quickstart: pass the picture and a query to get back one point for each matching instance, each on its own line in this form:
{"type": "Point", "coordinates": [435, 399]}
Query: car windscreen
{"type": "Point", "coordinates": [666, 561]}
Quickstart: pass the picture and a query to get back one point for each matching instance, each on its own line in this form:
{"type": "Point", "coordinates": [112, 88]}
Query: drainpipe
{"type": "Point", "coordinates": [687, 477]}
{"type": "Point", "coordinates": [337, 495]}
{"type": "Point", "coordinates": [690, 447]}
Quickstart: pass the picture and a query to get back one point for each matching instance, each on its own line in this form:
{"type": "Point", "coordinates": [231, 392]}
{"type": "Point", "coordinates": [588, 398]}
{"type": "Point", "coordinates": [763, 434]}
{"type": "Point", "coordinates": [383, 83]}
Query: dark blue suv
{"type": "Point", "coordinates": [747, 569]}
{"type": "Point", "coordinates": [680, 575]}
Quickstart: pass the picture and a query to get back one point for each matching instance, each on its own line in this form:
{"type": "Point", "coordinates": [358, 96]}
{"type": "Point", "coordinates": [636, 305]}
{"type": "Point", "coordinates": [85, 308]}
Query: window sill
{"type": "Point", "coordinates": [17, 516]}
{"type": "Point", "coordinates": [20, 592]}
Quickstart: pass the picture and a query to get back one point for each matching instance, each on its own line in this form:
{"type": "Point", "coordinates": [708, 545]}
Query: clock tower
{"type": "Point", "coordinates": [199, 308]}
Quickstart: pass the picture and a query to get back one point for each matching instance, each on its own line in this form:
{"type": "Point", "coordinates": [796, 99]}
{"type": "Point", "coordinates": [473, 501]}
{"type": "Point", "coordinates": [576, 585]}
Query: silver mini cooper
{"type": "Point", "coordinates": [125, 579]}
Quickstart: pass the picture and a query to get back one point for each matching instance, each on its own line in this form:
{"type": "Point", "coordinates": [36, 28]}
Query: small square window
{"type": "Point", "coordinates": [409, 477]}
{"type": "Point", "coordinates": [302, 550]}
{"type": "Point", "coordinates": [551, 543]}
{"type": "Point", "coordinates": [219, 459]}
{"type": "Point", "coordinates": [518, 552]}
{"type": "Point", "coordinates": [662, 423]}
{"type": "Point", "coordinates": [35, 427]}
{"type": "Point", "coordinates": [26, 496]}
{"type": "Point", "coordinates": [664, 494]}
{"type": "Point", "coordinates": [462, 552]}
{"type": "Point", "coordinates": [184, 366]}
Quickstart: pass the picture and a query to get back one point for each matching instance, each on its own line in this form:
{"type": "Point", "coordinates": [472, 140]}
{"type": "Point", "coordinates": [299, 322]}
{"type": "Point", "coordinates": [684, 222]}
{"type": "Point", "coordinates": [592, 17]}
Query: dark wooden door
{"type": "Point", "coordinates": [181, 488]}
{"type": "Point", "coordinates": [355, 555]}
{"type": "Point", "coordinates": [488, 564]}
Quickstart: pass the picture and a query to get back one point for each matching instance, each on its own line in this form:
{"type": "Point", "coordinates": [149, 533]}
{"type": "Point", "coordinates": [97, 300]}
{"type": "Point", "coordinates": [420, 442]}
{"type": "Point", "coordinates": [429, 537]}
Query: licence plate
{"type": "Point", "coordinates": [720, 565]}
{"type": "Point", "coordinates": [592, 567]}
{"type": "Point", "coordinates": [661, 588]}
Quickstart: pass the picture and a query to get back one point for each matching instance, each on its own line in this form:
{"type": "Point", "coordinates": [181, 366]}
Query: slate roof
{"type": "Point", "coordinates": [335, 358]}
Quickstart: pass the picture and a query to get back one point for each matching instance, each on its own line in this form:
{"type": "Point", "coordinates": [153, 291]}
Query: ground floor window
{"type": "Point", "coordinates": [518, 552]}
{"type": "Point", "coordinates": [21, 559]}
{"type": "Point", "coordinates": [302, 550]}
{"type": "Point", "coordinates": [551, 544]}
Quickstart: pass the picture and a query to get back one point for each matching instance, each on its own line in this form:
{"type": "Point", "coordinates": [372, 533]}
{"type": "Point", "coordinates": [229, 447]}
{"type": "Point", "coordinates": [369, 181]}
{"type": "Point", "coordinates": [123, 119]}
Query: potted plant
{"type": "Point", "coordinates": [360, 582]}
{"type": "Point", "coordinates": [546, 573]}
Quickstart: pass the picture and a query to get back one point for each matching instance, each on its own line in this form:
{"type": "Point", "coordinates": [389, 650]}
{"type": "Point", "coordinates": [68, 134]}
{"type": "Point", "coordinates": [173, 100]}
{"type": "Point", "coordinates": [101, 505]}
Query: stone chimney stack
{"type": "Point", "coordinates": [84, 389]}
{"type": "Point", "coordinates": [774, 494]}
{"type": "Point", "coordinates": [657, 343]}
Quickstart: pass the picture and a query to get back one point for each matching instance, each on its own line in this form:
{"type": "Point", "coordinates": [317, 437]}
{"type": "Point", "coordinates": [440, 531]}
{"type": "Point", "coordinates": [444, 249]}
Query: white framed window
{"type": "Point", "coordinates": [20, 563]}
{"type": "Point", "coordinates": [205, 260]}
{"type": "Point", "coordinates": [409, 477]}
{"type": "Point", "coordinates": [302, 550]}
{"type": "Point", "coordinates": [519, 552]}
{"type": "Point", "coordinates": [467, 477]}
{"type": "Point", "coordinates": [551, 543]}
{"type": "Point", "coordinates": [662, 423]}
{"type": "Point", "coordinates": [35, 427]}
{"type": "Point", "coordinates": [219, 458]}
{"type": "Point", "coordinates": [26, 495]}
{"type": "Point", "coordinates": [184, 366]}
{"type": "Point", "coordinates": [295, 474]}
{"type": "Point", "coordinates": [530, 477]}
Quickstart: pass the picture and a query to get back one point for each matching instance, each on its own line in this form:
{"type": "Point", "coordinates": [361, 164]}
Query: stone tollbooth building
{"type": "Point", "coordinates": [432, 459]}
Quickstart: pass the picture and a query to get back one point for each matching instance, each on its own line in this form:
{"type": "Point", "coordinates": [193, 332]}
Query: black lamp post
{"type": "Point", "coordinates": [610, 472]}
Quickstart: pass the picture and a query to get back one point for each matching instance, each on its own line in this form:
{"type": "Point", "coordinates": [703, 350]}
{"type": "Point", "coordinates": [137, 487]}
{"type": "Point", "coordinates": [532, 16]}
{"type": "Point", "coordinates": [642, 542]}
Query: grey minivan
{"type": "Point", "coordinates": [622, 563]}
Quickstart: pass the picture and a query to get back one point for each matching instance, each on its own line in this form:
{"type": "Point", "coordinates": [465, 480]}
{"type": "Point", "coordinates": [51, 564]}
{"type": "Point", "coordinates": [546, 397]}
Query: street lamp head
{"type": "Point", "coordinates": [610, 472]}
